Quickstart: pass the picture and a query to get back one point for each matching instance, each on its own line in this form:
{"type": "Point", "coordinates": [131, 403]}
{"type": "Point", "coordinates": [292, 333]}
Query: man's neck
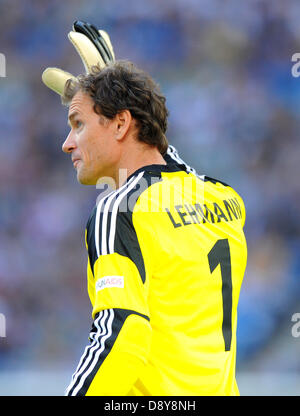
{"type": "Point", "coordinates": [132, 161]}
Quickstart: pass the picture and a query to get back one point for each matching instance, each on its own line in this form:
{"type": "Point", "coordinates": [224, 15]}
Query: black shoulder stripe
{"type": "Point", "coordinates": [126, 241]}
{"type": "Point", "coordinates": [110, 228]}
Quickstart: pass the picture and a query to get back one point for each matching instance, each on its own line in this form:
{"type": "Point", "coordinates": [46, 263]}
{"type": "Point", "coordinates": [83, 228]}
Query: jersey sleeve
{"type": "Point", "coordinates": [118, 286]}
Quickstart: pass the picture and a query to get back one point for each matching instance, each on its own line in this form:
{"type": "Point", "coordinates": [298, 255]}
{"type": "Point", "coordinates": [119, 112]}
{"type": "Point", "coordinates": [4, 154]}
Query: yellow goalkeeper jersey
{"type": "Point", "coordinates": [166, 259]}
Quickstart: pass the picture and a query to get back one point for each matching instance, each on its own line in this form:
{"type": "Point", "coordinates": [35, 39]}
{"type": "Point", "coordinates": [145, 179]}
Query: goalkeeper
{"type": "Point", "coordinates": [166, 248]}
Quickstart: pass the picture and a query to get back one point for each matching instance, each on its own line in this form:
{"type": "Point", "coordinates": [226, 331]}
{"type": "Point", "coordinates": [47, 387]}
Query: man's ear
{"type": "Point", "coordinates": [123, 123]}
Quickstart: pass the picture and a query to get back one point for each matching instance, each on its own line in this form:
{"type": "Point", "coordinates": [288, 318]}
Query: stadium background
{"type": "Point", "coordinates": [225, 68]}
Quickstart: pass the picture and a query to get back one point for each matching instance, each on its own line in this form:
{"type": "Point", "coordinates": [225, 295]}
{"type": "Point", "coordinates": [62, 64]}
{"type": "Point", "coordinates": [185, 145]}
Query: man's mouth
{"type": "Point", "coordinates": [75, 162]}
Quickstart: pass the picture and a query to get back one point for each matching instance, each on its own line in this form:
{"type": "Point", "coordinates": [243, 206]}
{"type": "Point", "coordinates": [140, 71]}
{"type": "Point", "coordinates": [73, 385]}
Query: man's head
{"type": "Point", "coordinates": [107, 109]}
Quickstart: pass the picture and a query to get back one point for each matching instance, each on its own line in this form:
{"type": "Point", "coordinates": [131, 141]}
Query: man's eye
{"type": "Point", "coordinates": [78, 123]}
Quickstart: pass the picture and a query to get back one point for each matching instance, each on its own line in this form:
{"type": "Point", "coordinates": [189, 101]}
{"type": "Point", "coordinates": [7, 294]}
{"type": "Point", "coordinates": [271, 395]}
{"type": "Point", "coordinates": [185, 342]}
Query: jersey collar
{"type": "Point", "coordinates": [156, 169]}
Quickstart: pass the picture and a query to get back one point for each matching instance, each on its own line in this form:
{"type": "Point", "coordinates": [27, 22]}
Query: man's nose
{"type": "Point", "coordinates": [69, 144]}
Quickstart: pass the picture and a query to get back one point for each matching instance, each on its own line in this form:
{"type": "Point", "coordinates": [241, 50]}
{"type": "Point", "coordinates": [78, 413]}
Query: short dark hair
{"type": "Point", "coordinates": [122, 86]}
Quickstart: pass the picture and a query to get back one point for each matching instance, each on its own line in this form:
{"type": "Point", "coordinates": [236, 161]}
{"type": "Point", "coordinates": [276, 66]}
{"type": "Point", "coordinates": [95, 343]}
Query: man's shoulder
{"type": "Point", "coordinates": [121, 202]}
{"type": "Point", "coordinates": [147, 185]}
{"type": "Point", "coordinates": [110, 227]}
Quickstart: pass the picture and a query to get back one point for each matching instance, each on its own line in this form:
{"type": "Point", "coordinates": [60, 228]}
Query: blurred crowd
{"type": "Point", "coordinates": [225, 68]}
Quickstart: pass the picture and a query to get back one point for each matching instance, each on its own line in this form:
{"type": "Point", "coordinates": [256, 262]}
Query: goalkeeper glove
{"type": "Point", "coordinates": [94, 48]}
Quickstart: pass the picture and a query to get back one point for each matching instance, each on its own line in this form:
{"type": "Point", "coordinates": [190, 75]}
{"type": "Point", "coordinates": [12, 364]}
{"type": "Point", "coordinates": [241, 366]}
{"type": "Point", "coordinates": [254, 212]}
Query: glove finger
{"type": "Point", "coordinates": [87, 51]}
{"type": "Point", "coordinates": [94, 35]}
{"type": "Point", "coordinates": [108, 41]}
{"type": "Point", "coordinates": [55, 79]}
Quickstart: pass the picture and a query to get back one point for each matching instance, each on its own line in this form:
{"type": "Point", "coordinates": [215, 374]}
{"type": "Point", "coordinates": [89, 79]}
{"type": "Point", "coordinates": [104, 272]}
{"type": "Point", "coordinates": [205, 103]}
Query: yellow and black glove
{"type": "Point", "coordinates": [94, 48]}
